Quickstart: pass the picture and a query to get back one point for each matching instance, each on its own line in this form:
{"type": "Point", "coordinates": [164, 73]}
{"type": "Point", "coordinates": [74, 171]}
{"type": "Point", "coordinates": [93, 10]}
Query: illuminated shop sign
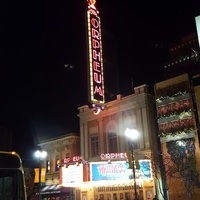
{"type": "Point", "coordinates": [71, 175]}
{"type": "Point", "coordinates": [145, 169]}
{"type": "Point", "coordinates": [112, 171]}
{"type": "Point", "coordinates": [113, 156]}
{"type": "Point", "coordinates": [37, 175]}
{"type": "Point", "coordinates": [119, 171]}
{"type": "Point", "coordinates": [96, 77]}
{"type": "Point", "coordinates": [91, 4]}
{"type": "Point", "coordinates": [72, 159]}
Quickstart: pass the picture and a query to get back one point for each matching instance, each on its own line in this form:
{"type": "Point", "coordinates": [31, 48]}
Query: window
{"type": "Point", "coordinates": [67, 155]}
{"type": "Point", "coordinates": [57, 163]}
{"type": "Point", "coordinates": [47, 165]}
{"type": "Point", "coordinates": [112, 142]}
{"type": "Point", "coordinates": [94, 146]}
{"type": "Point", "coordinates": [111, 133]}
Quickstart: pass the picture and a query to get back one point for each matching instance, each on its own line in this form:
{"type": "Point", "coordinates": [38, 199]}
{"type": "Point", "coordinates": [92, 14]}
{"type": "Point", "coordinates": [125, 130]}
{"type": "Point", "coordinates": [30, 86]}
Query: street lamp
{"type": "Point", "coordinates": [133, 134]}
{"type": "Point", "coordinates": [40, 155]}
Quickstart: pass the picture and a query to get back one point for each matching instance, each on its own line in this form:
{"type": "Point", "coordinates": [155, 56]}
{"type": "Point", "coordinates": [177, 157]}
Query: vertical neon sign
{"type": "Point", "coordinates": [96, 78]}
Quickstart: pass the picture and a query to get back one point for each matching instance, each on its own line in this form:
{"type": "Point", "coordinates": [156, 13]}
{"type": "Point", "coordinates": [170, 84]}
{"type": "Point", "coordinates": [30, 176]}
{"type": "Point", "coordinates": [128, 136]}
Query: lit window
{"type": "Point", "coordinates": [48, 166]}
{"type": "Point", "coordinates": [57, 163]}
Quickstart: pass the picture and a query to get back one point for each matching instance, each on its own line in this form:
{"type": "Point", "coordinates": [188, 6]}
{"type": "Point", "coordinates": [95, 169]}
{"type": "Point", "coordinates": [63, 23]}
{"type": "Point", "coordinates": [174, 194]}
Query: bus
{"type": "Point", "coordinates": [12, 180]}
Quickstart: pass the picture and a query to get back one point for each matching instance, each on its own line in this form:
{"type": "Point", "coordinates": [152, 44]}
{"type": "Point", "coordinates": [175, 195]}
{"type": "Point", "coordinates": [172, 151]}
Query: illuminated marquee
{"type": "Point", "coordinates": [119, 171]}
{"type": "Point", "coordinates": [72, 159]}
{"type": "Point", "coordinates": [113, 156]}
{"type": "Point", "coordinates": [96, 78]}
{"type": "Point", "coordinates": [101, 171]}
{"type": "Point", "coordinates": [72, 175]}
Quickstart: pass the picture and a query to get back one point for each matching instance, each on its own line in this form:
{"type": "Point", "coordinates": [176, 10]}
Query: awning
{"type": "Point", "coordinates": [53, 189]}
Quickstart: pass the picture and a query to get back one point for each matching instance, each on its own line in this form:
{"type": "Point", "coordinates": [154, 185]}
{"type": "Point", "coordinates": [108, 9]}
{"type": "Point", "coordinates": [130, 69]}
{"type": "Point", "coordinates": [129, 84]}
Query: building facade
{"type": "Point", "coordinates": [102, 169]}
{"type": "Point", "coordinates": [184, 57]}
{"type": "Point", "coordinates": [59, 150]}
{"type": "Point", "coordinates": [178, 121]}
{"type": "Point", "coordinates": [177, 104]}
{"type": "Point", "coordinates": [104, 145]}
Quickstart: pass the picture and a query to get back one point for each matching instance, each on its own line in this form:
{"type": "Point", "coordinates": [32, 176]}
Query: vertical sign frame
{"type": "Point", "coordinates": [95, 60]}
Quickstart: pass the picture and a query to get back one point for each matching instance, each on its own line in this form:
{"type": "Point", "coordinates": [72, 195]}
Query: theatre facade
{"type": "Point", "coordinates": [97, 164]}
{"type": "Point", "coordinates": [104, 145]}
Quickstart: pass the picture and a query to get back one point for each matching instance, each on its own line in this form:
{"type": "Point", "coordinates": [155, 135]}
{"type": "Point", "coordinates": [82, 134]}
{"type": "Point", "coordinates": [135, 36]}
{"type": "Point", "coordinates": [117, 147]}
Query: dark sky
{"type": "Point", "coordinates": [39, 95]}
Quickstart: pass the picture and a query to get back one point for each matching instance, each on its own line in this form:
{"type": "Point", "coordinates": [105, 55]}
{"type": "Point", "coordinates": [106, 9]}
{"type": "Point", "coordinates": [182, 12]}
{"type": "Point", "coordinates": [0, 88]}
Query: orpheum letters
{"type": "Point", "coordinates": [95, 59]}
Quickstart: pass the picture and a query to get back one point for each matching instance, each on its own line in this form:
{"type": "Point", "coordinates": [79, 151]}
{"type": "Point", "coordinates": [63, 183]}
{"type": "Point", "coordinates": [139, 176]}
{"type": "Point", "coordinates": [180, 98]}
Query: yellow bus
{"type": "Point", "coordinates": [12, 180]}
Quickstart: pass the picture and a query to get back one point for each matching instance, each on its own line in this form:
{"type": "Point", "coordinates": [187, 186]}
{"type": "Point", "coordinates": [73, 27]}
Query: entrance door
{"type": "Point", "coordinates": [101, 197]}
{"type": "Point", "coordinates": [78, 195]}
{"type": "Point", "coordinates": [108, 197]}
{"type": "Point", "coordinates": [84, 196]}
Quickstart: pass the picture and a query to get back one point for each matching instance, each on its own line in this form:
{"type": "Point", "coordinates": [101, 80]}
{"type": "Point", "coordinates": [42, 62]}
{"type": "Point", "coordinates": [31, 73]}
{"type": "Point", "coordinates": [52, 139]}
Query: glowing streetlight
{"type": "Point", "coordinates": [40, 155]}
{"type": "Point", "coordinates": [133, 134]}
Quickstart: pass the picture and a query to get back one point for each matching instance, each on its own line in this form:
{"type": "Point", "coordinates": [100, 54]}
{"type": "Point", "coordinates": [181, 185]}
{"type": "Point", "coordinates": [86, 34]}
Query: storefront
{"type": "Point", "coordinates": [105, 180]}
{"type": "Point", "coordinates": [118, 191]}
{"type": "Point", "coordinates": [56, 192]}
{"type": "Point", "coordinates": [114, 180]}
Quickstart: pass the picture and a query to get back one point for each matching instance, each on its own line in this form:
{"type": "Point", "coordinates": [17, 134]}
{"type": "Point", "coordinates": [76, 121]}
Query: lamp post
{"type": "Point", "coordinates": [40, 155]}
{"type": "Point", "coordinates": [133, 134]}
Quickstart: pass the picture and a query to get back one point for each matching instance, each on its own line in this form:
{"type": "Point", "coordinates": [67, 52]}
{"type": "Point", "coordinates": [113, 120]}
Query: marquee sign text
{"type": "Point", "coordinates": [113, 156]}
{"type": "Point", "coordinates": [96, 78]}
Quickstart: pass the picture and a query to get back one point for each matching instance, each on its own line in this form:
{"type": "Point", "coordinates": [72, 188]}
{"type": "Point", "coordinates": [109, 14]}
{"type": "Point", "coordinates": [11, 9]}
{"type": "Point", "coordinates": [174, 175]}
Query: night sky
{"type": "Point", "coordinates": [43, 72]}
